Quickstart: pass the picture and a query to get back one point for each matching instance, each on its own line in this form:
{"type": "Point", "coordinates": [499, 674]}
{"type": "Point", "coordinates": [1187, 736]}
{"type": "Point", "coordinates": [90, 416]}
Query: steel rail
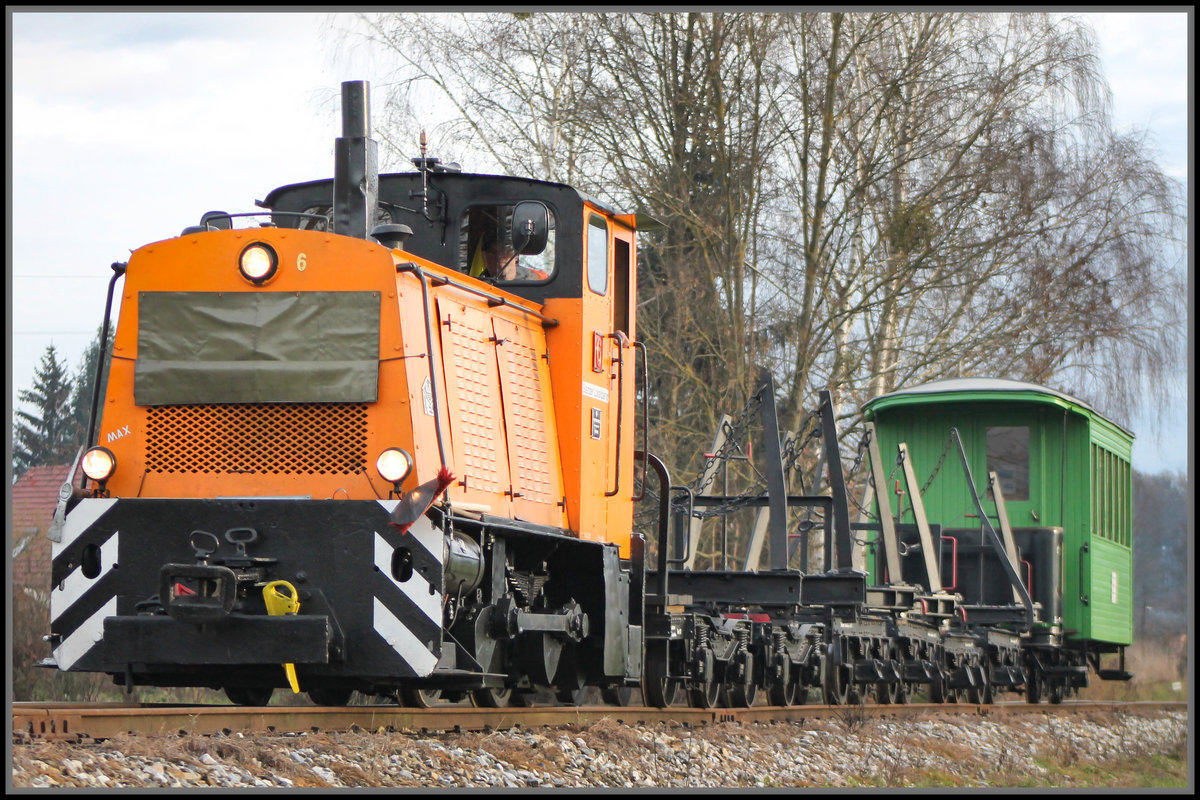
{"type": "Point", "coordinates": [79, 721]}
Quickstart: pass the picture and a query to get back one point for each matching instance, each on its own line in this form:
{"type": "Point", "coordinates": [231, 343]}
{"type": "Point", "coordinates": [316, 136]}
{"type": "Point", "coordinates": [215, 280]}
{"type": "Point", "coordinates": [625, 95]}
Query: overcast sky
{"type": "Point", "coordinates": [125, 127]}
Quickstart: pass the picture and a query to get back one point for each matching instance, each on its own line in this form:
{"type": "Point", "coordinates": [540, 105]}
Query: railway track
{"type": "Point", "coordinates": [77, 722]}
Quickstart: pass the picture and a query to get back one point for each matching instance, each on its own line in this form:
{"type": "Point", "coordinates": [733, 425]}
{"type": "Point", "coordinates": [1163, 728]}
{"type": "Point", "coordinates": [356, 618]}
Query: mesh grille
{"type": "Point", "coordinates": [279, 438]}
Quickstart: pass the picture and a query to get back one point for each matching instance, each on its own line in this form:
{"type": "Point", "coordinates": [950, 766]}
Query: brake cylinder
{"type": "Point", "coordinates": [464, 564]}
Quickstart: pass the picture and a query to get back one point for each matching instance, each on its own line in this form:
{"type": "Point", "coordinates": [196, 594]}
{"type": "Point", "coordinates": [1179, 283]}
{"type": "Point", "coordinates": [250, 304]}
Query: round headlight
{"type": "Point", "coordinates": [99, 464]}
{"type": "Point", "coordinates": [258, 263]}
{"type": "Point", "coordinates": [394, 464]}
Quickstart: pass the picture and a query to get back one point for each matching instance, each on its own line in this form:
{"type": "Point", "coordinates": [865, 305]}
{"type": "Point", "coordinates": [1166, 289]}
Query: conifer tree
{"type": "Point", "coordinates": [45, 433]}
{"type": "Point", "coordinates": [85, 380]}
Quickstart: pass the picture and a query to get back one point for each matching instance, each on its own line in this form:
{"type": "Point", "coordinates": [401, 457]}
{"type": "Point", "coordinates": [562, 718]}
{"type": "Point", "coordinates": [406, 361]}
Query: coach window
{"type": "Point", "coordinates": [1008, 457]}
{"type": "Point", "coordinates": [597, 254]}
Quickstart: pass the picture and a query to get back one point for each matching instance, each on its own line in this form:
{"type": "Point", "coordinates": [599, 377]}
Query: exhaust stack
{"type": "Point", "coordinates": [356, 165]}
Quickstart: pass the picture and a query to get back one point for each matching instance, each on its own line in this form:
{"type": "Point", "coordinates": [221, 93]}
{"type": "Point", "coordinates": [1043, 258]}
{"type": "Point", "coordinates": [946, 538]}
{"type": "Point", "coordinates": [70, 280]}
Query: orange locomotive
{"type": "Point", "coordinates": [385, 438]}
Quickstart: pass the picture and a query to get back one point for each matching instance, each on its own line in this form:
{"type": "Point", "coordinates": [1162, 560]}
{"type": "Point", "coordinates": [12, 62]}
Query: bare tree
{"type": "Point", "coordinates": [862, 201]}
{"type": "Point", "coordinates": [966, 209]}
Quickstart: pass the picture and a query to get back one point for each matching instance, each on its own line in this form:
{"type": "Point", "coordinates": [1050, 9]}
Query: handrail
{"type": "Point", "coordinates": [620, 362]}
{"type": "Point", "coordinates": [493, 299]}
{"type": "Point", "coordinates": [691, 507]}
{"type": "Point", "coordinates": [664, 511]}
{"type": "Point", "coordinates": [433, 383]}
{"type": "Point", "coordinates": [645, 414]}
{"type": "Point", "coordinates": [118, 269]}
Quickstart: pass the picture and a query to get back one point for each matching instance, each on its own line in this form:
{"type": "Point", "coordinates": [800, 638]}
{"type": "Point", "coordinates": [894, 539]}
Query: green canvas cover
{"type": "Point", "coordinates": [257, 347]}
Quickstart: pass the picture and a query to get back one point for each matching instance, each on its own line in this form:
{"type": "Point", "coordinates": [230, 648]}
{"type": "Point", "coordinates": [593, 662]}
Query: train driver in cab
{"type": "Point", "coordinates": [501, 263]}
{"type": "Point", "coordinates": [492, 257]}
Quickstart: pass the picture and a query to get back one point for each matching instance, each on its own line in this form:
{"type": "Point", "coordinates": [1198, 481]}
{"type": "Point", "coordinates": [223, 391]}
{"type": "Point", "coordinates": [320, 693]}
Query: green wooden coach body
{"type": "Point", "coordinates": [1061, 465]}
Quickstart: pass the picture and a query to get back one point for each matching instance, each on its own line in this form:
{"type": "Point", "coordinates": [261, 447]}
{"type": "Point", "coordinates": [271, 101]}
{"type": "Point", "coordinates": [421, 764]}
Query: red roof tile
{"type": "Point", "coordinates": [34, 498]}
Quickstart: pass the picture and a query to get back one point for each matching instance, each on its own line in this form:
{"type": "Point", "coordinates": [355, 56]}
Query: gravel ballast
{"type": "Point", "coordinates": [847, 751]}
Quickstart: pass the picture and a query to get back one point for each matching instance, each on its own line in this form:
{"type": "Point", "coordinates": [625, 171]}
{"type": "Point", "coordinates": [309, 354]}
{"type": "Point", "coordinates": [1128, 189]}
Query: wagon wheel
{"type": "Point", "coordinates": [1035, 690]}
{"type": "Point", "coordinates": [616, 695]}
{"type": "Point", "coordinates": [330, 697]}
{"type": "Point", "coordinates": [706, 694]}
{"type": "Point", "coordinates": [415, 697]}
{"type": "Point", "coordinates": [976, 692]}
{"type": "Point", "coordinates": [249, 695]}
{"type": "Point", "coordinates": [783, 692]}
{"type": "Point", "coordinates": [904, 689]}
{"type": "Point", "coordinates": [1058, 692]}
{"type": "Point", "coordinates": [989, 693]}
{"type": "Point", "coordinates": [709, 692]}
{"type": "Point", "coordinates": [658, 689]}
{"type": "Point", "coordinates": [802, 692]}
{"type": "Point", "coordinates": [838, 690]}
{"type": "Point", "coordinates": [937, 686]}
{"type": "Point", "coordinates": [743, 695]}
{"type": "Point", "coordinates": [951, 695]}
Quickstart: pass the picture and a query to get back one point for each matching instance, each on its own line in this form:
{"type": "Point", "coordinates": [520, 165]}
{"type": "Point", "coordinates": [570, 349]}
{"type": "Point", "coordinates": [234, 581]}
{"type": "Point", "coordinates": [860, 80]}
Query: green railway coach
{"type": "Point", "coordinates": [1067, 483]}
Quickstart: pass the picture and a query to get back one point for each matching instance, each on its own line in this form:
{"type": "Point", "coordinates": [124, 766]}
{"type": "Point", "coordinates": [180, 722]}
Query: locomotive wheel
{"type": "Point", "coordinates": [330, 697]}
{"type": "Point", "coordinates": [658, 689]}
{"type": "Point", "coordinates": [491, 698]}
{"type": "Point", "coordinates": [414, 697]}
{"type": "Point", "coordinates": [572, 697]}
{"type": "Point", "coordinates": [616, 695]}
{"type": "Point", "coordinates": [249, 695]}
{"type": "Point", "coordinates": [570, 679]}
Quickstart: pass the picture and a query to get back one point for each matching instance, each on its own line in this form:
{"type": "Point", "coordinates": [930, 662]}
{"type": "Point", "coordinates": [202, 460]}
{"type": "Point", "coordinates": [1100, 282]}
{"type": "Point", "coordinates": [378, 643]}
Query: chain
{"type": "Point", "coordinates": [797, 444]}
{"type": "Point", "coordinates": [941, 460]}
{"type": "Point", "coordinates": [862, 451]}
{"type": "Point", "coordinates": [734, 435]}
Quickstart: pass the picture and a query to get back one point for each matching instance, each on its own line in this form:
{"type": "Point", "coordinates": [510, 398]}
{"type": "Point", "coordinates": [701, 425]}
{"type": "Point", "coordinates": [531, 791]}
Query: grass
{"type": "Point", "coordinates": [1158, 675]}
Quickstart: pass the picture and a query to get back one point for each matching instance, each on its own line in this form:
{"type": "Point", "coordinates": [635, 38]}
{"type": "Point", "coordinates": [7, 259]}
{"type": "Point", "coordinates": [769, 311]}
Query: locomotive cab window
{"type": "Point", "coordinates": [597, 254]}
{"type": "Point", "coordinates": [1008, 457]}
{"type": "Point", "coordinates": [486, 248]}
